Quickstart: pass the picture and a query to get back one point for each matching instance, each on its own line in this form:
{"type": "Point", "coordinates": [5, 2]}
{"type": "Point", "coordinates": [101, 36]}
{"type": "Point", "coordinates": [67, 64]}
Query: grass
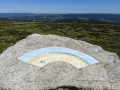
{"type": "Point", "coordinates": [105, 35]}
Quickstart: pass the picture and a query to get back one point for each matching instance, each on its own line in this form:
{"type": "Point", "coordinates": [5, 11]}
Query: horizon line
{"type": "Point", "coordinates": [52, 13]}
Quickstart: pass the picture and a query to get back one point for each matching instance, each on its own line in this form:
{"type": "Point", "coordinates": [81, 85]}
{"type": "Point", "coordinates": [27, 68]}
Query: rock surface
{"type": "Point", "coordinates": [18, 75]}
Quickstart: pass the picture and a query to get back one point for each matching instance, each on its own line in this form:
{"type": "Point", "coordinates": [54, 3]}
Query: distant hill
{"type": "Point", "coordinates": [15, 14]}
{"type": "Point", "coordinates": [62, 18]}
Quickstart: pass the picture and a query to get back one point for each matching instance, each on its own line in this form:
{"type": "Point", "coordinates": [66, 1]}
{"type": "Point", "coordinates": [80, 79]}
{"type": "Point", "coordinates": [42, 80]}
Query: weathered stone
{"type": "Point", "coordinates": [19, 75]}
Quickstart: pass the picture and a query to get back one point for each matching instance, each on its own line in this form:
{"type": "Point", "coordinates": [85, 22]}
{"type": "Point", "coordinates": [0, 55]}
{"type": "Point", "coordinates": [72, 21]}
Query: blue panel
{"type": "Point", "coordinates": [85, 57]}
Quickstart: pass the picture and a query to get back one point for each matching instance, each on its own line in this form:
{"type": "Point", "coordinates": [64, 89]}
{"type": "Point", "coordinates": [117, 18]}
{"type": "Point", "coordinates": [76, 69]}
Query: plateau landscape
{"type": "Point", "coordinates": [59, 45]}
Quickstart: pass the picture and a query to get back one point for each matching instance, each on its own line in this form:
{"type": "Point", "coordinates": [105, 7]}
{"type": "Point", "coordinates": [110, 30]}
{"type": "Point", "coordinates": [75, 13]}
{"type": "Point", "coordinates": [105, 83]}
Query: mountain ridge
{"type": "Point", "coordinates": [34, 17]}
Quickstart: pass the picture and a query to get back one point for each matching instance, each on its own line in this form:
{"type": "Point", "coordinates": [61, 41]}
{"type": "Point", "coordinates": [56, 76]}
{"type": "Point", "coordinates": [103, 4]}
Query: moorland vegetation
{"type": "Point", "coordinates": [105, 35]}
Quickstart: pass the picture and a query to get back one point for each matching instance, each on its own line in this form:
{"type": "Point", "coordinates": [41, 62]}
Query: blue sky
{"type": "Point", "coordinates": [60, 6]}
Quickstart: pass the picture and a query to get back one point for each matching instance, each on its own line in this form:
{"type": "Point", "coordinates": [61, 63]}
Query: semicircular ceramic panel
{"type": "Point", "coordinates": [44, 56]}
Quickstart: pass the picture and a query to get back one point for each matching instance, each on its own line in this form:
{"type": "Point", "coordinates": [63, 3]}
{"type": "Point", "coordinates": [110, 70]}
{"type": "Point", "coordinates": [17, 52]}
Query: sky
{"type": "Point", "coordinates": [60, 6]}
